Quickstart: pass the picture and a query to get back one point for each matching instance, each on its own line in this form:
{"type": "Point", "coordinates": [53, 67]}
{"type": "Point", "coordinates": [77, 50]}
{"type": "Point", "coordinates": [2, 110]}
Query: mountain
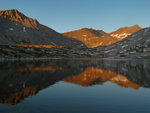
{"type": "Point", "coordinates": [125, 32]}
{"type": "Point", "coordinates": [136, 45]}
{"type": "Point", "coordinates": [91, 38]}
{"type": "Point", "coordinates": [22, 37]}
{"type": "Point", "coordinates": [92, 76]}
{"type": "Point", "coordinates": [94, 38]}
{"type": "Point", "coordinates": [16, 28]}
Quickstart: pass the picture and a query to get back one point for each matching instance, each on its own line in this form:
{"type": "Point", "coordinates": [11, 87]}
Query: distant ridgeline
{"type": "Point", "coordinates": [23, 37]}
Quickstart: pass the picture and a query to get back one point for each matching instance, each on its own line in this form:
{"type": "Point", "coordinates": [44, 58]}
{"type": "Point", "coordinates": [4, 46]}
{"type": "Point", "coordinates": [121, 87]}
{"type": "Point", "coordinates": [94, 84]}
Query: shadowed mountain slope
{"type": "Point", "coordinates": [16, 28]}
{"type": "Point", "coordinates": [136, 45]}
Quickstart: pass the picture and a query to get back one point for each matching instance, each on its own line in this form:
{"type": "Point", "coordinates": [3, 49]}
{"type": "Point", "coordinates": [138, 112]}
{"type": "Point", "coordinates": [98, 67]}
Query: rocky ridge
{"type": "Point", "coordinates": [91, 37]}
{"type": "Point", "coordinates": [94, 38]}
{"type": "Point", "coordinates": [16, 28]}
{"type": "Point", "coordinates": [125, 32]}
{"type": "Point", "coordinates": [136, 45]}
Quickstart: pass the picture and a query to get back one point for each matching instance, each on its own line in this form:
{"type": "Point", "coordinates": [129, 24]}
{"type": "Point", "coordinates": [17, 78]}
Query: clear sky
{"type": "Point", "coordinates": [68, 15]}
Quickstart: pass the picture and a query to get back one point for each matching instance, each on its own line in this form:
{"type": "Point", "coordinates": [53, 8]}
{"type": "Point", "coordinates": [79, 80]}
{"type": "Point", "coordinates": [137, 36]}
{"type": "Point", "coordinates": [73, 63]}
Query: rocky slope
{"type": "Point", "coordinates": [136, 45]}
{"type": "Point", "coordinates": [91, 38]}
{"type": "Point", "coordinates": [94, 38]}
{"type": "Point", "coordinates": [125, 32]}
{"type": "Point", "coordinates": [16, 28]}
{"type": "Point", "coordinates": [19, 33]}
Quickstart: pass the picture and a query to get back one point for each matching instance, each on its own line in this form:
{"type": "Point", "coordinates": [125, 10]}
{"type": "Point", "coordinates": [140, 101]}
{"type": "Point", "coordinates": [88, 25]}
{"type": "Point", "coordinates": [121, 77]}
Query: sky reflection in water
{"type": "Point", "coordinates": [90, 86]}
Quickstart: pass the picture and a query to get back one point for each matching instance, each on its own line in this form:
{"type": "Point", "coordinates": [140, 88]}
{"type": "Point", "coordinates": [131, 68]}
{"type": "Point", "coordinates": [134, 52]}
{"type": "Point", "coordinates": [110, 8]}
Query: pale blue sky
{"type": "Point", "coordinates": [68, 15]}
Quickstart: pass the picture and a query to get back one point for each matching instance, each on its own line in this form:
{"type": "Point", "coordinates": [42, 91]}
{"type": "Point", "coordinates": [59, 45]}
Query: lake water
{"type": "Point", "coordinates": [75, 86]}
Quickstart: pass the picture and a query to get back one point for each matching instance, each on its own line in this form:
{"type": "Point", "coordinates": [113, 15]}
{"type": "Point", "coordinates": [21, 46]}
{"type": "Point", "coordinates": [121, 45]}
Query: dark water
{"type": "Point", "coordinates": [75, 86]}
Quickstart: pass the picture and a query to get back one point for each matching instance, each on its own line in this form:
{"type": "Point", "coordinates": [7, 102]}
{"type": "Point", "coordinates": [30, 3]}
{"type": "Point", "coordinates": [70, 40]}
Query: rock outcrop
{"type": "Point", "coordinates": [136, 45]}
{"type": "Point", "coordinates": [22, 37]}
{"type": "Point", "coordinates": [91, 38]}
{"type": "Point", "coordinates": [125, 32]}
{"type": "Point", "coordinates": [94, 38]}
{"type": "Point", "coordinates": [16, 28]}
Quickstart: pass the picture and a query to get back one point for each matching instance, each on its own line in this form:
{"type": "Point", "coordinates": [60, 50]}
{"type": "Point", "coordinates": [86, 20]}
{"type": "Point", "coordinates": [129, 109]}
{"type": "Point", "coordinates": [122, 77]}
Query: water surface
{"type": "Point", "coordinates": [75, 86]}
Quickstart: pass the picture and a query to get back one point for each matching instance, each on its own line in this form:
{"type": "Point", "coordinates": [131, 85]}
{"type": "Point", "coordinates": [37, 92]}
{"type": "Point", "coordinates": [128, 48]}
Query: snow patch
{"type": "Point", "coordinates": [144, 50]}
{"type": "Point", "coordinates": [119, 78]}
{"type": "Point", "coordinates": [84, 35]}
{"type": "Point", "coordinates": [53, 43]}
{"type": "Point", "coordinates": [126, 54]}
{"type": "Point", "coordinates": [134, 35]}
{"type": "Point", "coordinates": [81, 45]}
{"type": "Point", "coordinates": [120, 36]}
{"type": "Point", "coordinates": [123, 51]}
{"type": "Point", "coordinates": [133, 52]}
{"type": "Point", "coordinates": [24, 29]}
{"type": "Point", "coordinates": [124, 46]}
{"type": "Point", "coordinates": [11, 29]}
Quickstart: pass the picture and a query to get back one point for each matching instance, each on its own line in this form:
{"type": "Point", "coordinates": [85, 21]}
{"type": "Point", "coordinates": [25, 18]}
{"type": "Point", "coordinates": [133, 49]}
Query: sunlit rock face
{"type": "Point", "coordinates": [91, 37]}
{"type": "Point", "coordinates": [16, 28]}
{"type": "Point", "coordinates": [24, 37]}
{"type": "Point", "coordinates": [125, 32]}
{"type": "Point", "coordinates": [94, 38]}
{"type": "Point", "coordinates": [136, 45]}
{"type": "Point", "coordinates": [18, 17]}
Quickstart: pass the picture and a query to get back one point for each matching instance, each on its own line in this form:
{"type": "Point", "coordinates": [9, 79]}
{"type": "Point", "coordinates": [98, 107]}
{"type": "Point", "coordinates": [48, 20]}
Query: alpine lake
{"type": "Point", "coordinates": [75, 86]}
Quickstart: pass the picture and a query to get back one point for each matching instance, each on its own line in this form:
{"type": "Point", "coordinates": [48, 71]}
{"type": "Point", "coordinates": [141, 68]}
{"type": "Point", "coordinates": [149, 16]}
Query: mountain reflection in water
{"type": "Point", "coordinates": [19, 80]}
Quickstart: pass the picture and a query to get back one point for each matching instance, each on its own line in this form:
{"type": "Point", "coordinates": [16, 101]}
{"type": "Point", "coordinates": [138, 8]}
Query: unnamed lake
{"type": "Point", "coordinates": [75, 86]}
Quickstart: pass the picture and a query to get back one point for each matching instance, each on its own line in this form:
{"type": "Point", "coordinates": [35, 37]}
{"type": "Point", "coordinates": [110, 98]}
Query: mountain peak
{"type": "Point", "coordinates": [125, 32]}
{"type": "Point", "coordinates": [91, 37]}
{"type": "Point", "coordinates": [136, 26]}
{"type": "Point", "coordinates": [13, 13]}
{"type": "Point", "coordinates": [9, 10]}
{"type": "Point", "coordinates": [15, 16]}
{"type": "Point", "coordinates": [86, 29]}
